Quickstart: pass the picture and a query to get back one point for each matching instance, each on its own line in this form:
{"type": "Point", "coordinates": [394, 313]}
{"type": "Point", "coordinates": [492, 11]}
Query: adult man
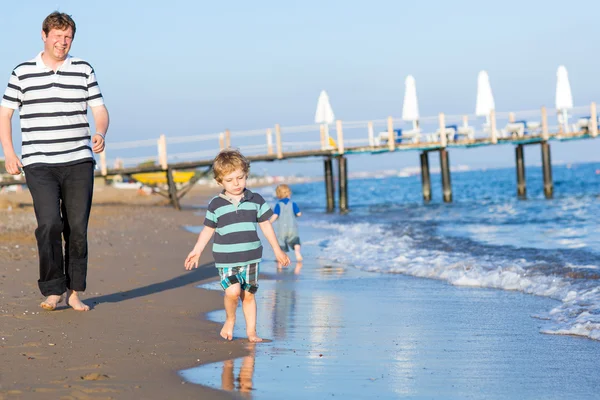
{"type": "Point", "coordinates": [52, 93]}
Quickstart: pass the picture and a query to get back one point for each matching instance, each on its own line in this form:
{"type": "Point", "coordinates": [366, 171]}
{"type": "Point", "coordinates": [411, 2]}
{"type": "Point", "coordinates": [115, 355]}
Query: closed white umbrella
{"type": "Point", "coordinates": [324, 114]}
{"type": "Point", "coordinates": [485, 99]}
{"type": "Point", "coordinates": [564, 99]}
{"type": "Point", "coordinates": [410, 107]}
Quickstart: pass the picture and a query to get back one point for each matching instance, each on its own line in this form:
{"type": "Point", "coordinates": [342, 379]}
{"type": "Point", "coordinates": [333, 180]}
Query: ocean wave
{"type": "Point", "coordinates": [383, 249]}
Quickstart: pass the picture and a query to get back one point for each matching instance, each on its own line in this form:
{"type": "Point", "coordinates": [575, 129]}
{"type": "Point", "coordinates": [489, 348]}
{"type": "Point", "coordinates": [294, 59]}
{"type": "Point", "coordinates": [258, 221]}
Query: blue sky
{"type": "Point", "coordinates": [192, 67]}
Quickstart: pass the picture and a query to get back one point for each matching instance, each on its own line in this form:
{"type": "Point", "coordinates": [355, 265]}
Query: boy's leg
{"type": "Point", "coordinates": [249, 307]}
{"type": "Point", "coordinates": [230, 282]}
{"type": "Point", "coordinates": [250, 286]}
{"type": "Point", "coordinates": [232, 294]}
{"type": "Point", "coordinates": [295, 244]}
{"type": "Point", "coordinates": [297, 251]}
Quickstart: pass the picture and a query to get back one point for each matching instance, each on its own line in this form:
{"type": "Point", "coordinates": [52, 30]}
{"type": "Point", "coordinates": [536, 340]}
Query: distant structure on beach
{"type": "Point", "coordinates": [440, 133]}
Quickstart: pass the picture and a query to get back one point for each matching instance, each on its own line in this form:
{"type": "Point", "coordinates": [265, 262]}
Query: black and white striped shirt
{"type": "Point", "coordinates": [53, 110]}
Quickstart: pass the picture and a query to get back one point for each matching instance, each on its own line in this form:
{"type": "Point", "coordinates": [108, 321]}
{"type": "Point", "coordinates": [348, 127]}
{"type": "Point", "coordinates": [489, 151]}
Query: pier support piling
{"type": "Point", "coordinates": [547, 170]}
{"type": "Point", "coordinates": [343, 183]}
{"type": "Point", "coordinates": [172, 189]}
{"type": "Point", "coordinates": [329, 191]}
{"type": "Point", "coordinates": [425, 178]}
{"type": "Point", "coordinates": [445, 167]}
{"type": "Point", "coordinates": [521, 186]}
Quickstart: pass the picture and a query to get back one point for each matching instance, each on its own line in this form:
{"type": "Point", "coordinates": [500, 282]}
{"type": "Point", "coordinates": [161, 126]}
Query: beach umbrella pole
{"type": "Point", "coordinates": [565, 120]}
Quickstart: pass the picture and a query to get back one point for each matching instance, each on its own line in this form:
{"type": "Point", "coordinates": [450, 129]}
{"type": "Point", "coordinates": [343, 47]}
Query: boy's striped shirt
{"type": "Point", "coordinates": [53, 110]}
{"type": "Point", "coordinates": [236, 241]}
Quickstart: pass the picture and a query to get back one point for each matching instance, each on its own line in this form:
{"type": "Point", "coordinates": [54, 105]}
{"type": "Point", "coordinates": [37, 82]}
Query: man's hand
{"type": "Point", "coordinates": [97, 143]}
{"type": "Point", "coordinates": [13, 164]}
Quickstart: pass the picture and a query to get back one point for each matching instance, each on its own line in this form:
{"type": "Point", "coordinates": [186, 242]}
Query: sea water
{"type": "Point", "coordinates": [340, 324]}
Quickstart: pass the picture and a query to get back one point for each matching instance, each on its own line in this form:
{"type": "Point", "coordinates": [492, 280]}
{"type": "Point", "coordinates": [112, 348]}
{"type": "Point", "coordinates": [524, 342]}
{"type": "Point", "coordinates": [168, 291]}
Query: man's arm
{"type": "Point", "coordinates": [101, 121]}
{"type": "Point", "coordinates": [11, 162]}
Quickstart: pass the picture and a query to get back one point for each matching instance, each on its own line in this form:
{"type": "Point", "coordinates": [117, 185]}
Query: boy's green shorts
{"type": "Point", "coordinates": [246, 276]}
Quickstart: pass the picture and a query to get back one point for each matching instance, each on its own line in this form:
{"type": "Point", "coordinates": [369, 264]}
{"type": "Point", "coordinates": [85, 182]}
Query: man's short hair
{"type": "Point", "coordinates": [58, 20]}
{"type": "Point", "coordinates": [227, 161]}
{"type": "Point", "coordinates": [282, 191]}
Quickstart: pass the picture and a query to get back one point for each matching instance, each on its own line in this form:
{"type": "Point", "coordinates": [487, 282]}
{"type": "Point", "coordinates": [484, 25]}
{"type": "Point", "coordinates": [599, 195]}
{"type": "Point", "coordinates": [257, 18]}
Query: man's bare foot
{"type": "Point", "coordinates": [227, 331]}
{"type": "Point", "coordinates": [253, 338]}
{"type": "Point", "coordinates": [51, 302]}
{"type": "Point", "coordinates": [74, 301]}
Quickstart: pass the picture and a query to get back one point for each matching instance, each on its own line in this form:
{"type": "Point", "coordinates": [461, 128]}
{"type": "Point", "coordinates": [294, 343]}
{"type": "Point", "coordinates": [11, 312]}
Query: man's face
{"type": "Point", "coordinates": [58, 43]}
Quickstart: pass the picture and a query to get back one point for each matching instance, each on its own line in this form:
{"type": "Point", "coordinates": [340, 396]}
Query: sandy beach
{"type": "Point", "coordinates": [146, 320]}
{"type": "Point", "coordinates": [333, 329]}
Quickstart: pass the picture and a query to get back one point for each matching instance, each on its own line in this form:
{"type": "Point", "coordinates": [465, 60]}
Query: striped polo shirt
{"type": "Point", "coordinates": [236, 241]}
{"type": "Point", "coordinates": [53, 110]}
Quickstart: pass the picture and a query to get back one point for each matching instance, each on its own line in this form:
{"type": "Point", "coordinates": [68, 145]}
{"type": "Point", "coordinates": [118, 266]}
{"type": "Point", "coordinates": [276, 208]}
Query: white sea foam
{"type": "Point", "coordinates": [373, 247]}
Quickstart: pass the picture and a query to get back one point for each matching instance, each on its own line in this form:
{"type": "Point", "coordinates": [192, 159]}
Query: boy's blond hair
{"type": "Point", "coordinates": [282, 191]}
{"type": "Point", "coordinates": [227, 161]}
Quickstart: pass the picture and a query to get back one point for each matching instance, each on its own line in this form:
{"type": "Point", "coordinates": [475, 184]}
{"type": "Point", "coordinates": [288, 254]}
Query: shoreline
{"type": "Point", "coordinates": [139, 333]}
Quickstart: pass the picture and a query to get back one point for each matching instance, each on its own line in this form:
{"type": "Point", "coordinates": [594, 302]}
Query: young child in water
{"type": "Point", "coordinates": [233, 217]}
{"type": "Point", "coordinates": [285, 213]}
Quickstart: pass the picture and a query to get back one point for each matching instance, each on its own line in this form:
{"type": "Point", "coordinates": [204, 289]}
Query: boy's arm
{"type": "Point", "coordinates": [296, 210]}
{"type": "Point", "coordinates": [269, 233]}
{"type": "Point", "coordinates": [204, 238]}
{"type": "Point", "coordinates": [192, 259]}
{"type": "Point", "coordinates": [275, 215]}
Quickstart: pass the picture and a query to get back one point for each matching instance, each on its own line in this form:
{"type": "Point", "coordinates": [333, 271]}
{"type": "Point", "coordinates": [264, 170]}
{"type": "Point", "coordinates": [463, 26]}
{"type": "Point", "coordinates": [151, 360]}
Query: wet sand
{"type": "Point", "coordinates": [340, 332]}
{"type": "Point", "coordinates": [147, 318]}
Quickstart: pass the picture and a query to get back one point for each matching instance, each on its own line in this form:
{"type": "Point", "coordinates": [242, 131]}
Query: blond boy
{"type": "Point", "coordinates": [286, 228]}
{"type": "Point", "coordinates": [232, 217]}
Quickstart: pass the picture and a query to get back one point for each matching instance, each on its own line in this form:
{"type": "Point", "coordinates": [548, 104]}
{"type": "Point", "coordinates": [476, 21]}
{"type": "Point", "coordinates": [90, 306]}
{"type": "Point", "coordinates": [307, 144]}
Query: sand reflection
{"type": "Point", "coordinates": [243, 382]}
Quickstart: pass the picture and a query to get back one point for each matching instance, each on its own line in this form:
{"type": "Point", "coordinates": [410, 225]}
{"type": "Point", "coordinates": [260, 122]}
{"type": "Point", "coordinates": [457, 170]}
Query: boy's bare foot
{"type": "Point", "coordinates": [51, 302]}
{"type": "Point", "coordinates": [227, 331]}
{"type": "Point", "coordinates": [253, 338]}
{"type": "Point", "coordinates": [299, 257]}
{"type": "Point", "coordinates": [74, 301]}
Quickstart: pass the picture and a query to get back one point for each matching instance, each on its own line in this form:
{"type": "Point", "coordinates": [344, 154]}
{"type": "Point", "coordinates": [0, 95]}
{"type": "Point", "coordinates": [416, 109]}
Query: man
{"type": "Point", "coordinates": [53, 92]}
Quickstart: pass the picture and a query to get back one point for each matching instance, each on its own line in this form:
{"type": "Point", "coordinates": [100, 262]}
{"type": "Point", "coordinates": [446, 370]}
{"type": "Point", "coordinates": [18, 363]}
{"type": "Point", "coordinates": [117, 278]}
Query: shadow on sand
{"type": "Point", "coordinates": [203, 272]}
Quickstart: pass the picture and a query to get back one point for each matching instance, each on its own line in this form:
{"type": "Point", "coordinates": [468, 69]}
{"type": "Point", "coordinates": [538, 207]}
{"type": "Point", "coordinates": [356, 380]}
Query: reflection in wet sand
{"type": "Point", "coordinates": [243, 382]}
{"type": "Point", "coordinates": [296, 270]}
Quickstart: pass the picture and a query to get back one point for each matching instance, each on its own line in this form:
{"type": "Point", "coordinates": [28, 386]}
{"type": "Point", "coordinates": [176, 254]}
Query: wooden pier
{"type": "Point", "coordinates": [443, 135]}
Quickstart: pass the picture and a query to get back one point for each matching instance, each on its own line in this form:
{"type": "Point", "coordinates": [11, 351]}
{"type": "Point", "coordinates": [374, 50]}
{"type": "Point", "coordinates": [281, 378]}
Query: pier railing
{"type": "Point", "coordinates": [378, 135]}
{"type": "Point", "coordinates": [333, 141]}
